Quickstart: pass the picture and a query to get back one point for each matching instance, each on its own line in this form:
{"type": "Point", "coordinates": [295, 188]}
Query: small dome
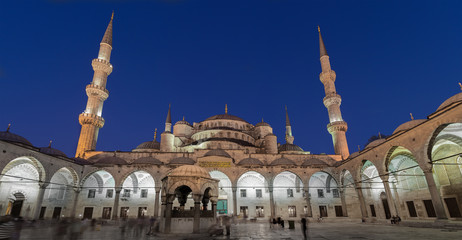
{"type": "Point", "coordinates": [189, 171]}
{"type": "Point", "coordinates": [183, 122]}
{"type": "Point", "coordinates": [8, 136]}
{"type": "Point", "coordinates": [52, 151]}
{"type": "Point", "coordinates": [353, 155]}
{"type": "Point", "coordinates": [313, 162]}
{"type": "Point", "coordinates": [148, 160]}
{"type": "Point", "coordinates": [250, 162]}
{"type": "Point", "coordinates": [262, 124]}
{"type": "Point", "coordinates": [226, 117]}
{"type": "Point", "coordinates": [408, 125]}
{"type": "Point", "coordinates": [111, 161]}
{"type": "Point", "coordinates": [282, 161]}
{"type": "Point", "coordinates": [217, 152]}
{"type": "Point", "coordinates": [81, 161]}
{"type": "Point", "coordinates": [287, 147]}
{"type": "Point", "coordinates": [149, 145]}
{"type": "Point", "coordinates": [453, 99]}
{"type": "Point", "coordinates": [182, 161]}
{"type": "Point", "coordinates": [375, 142]}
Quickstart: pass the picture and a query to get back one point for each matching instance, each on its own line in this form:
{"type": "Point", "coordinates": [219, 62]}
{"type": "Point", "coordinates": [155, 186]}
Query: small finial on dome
{"type": "Point", "coordinates": [319, 29]}
{"type": "Point", "coordinates": [155, 134]}
{"type": "Point", "coordinates": [226, 108]}
{"type": "Point", "coordinates": [380, 135]}
{"type": "Point", "coordinates": [262, 120]}
{"type": "Point", "coordinates": [412, 117]}
{"type": "Point", "coordinates": [183, 118]}
{"type": "Point", "coordinates": [460, 84]}
{"type": "Point", "coordinates": [8, 128]}
{"type": "Point", "coordinates": [112, 16]}
{"type": "Point", "coordinates": [359, 148]}
{"type": "Point", "coordinates": [49, 144]}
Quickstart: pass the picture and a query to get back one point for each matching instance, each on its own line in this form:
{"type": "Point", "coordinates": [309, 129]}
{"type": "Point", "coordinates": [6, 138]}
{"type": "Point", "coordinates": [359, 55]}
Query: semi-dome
{"type": "Point", "coordinates": [189, 171]}
{"type": "Point", "coordinates": [408, 125]}
{"type": "Point", "coordinates": [282, 161]}
{"type": "Point", "coordinates": [149, 145]}
{"type": "Point", "coordinates": [8, 136]}
{"type": "Point", "coordinates": [52, 151]}
{"type": "Point", "coordinates": [217, 152]}
{"type": "Point", "coordinates": [375, 142]}
{"type": "Point", "coordinates": [453, 99]}
{"type": "Point", "coordinates": [225, 117]}
{"type": "Point", "coordinates": [313, 162]}
{"type": "Point", "coordinates": [111, 161]}
{"type": "Point", "coordinates": [287, 147]}
{"type": "Point", "coordinates": [250, 162]}
{"type": "Point", "coordinates": [182, 161]}
{"type": "Point", "coordinates": [148, 160]}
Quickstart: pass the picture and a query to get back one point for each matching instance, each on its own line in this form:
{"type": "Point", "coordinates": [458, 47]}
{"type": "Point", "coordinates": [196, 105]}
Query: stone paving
{"type": "Point", "coordinates": [253, 231]}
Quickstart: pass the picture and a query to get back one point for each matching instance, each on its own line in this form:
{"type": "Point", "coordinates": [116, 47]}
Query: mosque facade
{"type": "Point", "coordinates": [226, 165]}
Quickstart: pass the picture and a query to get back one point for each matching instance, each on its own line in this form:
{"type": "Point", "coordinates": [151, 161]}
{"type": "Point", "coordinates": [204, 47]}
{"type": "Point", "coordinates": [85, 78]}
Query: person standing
{"type": "Point", "coordinates": [227, 223]}
{"type": "Point", "coordinates": [304, 227]}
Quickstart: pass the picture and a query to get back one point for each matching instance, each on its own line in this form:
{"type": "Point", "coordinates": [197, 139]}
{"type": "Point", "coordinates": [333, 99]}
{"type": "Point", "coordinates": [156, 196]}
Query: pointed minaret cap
{"type": "Point", "coordinates": [322, 47]}
{"type": "Point", "coordinates": [169, 115]}
{"type": "Point", "coordinates": [287, 118]}
{"type": "Point", "coordinates": [107, 38]}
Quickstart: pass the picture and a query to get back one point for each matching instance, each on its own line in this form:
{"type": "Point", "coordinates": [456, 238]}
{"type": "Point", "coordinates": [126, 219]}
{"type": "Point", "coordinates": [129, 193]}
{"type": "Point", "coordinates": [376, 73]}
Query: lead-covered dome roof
{"type": "Point", "coordinates": [282, 161]}
{"type": "Point", "coordinates": [8, 136]}
{"type": "Point", "coordinates": [149, 145]}
{"type": "Point", "coordinates": [408, 125]}
{"type": "Point", "coordinates": [287, 147]}
{"type": "Point", "coordinates": [217, 152]}
{"type": "Point", "coordinates": [225, 117]}
{"type": "Point", "coordinates": [250, 162]}
{"type": "Point", "coordinates": [189, 171]}
{"type": "Point", "coordinates": [453, 99]}
{"type": "Point", "coordinates": [52, 151]}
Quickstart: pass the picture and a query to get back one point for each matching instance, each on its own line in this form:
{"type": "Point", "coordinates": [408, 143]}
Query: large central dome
{"type": "Point", "coordinates": [227, 117]}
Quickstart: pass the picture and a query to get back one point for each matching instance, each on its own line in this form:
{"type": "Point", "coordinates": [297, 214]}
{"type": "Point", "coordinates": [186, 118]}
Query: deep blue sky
{"type": "Point", "coordinates": [391, 58]}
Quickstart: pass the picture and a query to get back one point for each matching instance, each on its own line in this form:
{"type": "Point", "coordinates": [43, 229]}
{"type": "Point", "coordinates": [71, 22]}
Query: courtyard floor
{"type": "Point", "coordinates": [251, 231]}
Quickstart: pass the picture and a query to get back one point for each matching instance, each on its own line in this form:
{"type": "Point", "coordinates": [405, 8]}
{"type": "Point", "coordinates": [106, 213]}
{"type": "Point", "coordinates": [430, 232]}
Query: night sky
{"type": "Point", "coordinates": [391, 59]}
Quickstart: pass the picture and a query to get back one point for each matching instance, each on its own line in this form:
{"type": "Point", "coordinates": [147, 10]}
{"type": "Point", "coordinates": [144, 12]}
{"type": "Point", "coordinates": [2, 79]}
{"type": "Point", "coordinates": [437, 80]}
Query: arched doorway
{"type": "Point", "coordinates": [324, 192]}
{"type": "Point", "coordinates": [289, 196]}
{"type": "Point", "coordinates": [225, 199]}
{"type": "Point", "coordinates": [15, 204]}
{"type": "Point", "coordinates": [252, 195]}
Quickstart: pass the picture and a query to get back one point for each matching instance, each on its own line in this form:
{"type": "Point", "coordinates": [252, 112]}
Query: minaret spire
{"type": "Point", "coordinates": [107, 38]}
{"type": "Point", "coordinates": [322, 47]}
{"type": "Point", "coordinates": [168, 120]}
{"type": "Point", "coordinates": [91, 119]}
{"type": "Point", "coordinates": [337, 127]}
{"type": "Point", "coordinates": [289, 136]}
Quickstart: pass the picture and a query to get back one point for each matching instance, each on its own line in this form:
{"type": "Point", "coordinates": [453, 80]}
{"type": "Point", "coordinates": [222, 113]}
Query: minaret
{"type": "Point", "coordinates": [167, 138]}
{"type": "Point", "coordinates": [337, 127]}
{"type": "Point", "coordinates": [97, 93]}
{"type": "Point", "coordinates": [289, 137]}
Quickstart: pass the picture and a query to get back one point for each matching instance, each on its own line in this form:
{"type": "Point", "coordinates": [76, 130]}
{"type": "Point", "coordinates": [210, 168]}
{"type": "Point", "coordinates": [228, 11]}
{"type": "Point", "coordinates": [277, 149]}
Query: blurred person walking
{"type": "Point", "coordinates": [6, 228]}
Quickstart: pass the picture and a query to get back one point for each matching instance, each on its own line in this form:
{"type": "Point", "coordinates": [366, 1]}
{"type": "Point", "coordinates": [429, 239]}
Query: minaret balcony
{"type": "Point", "coordinates": [92, 119]}
{"type": "Point", "coordinates": [101, 65]}
{"type": "Point", "coordinates": [331, 99]}
{"type": "Point", "coordinates": [337, 126]}
{"type": "Point", "coordinates": [328, 76]}
{"type": "Point", "coordinates": [100, 91]}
